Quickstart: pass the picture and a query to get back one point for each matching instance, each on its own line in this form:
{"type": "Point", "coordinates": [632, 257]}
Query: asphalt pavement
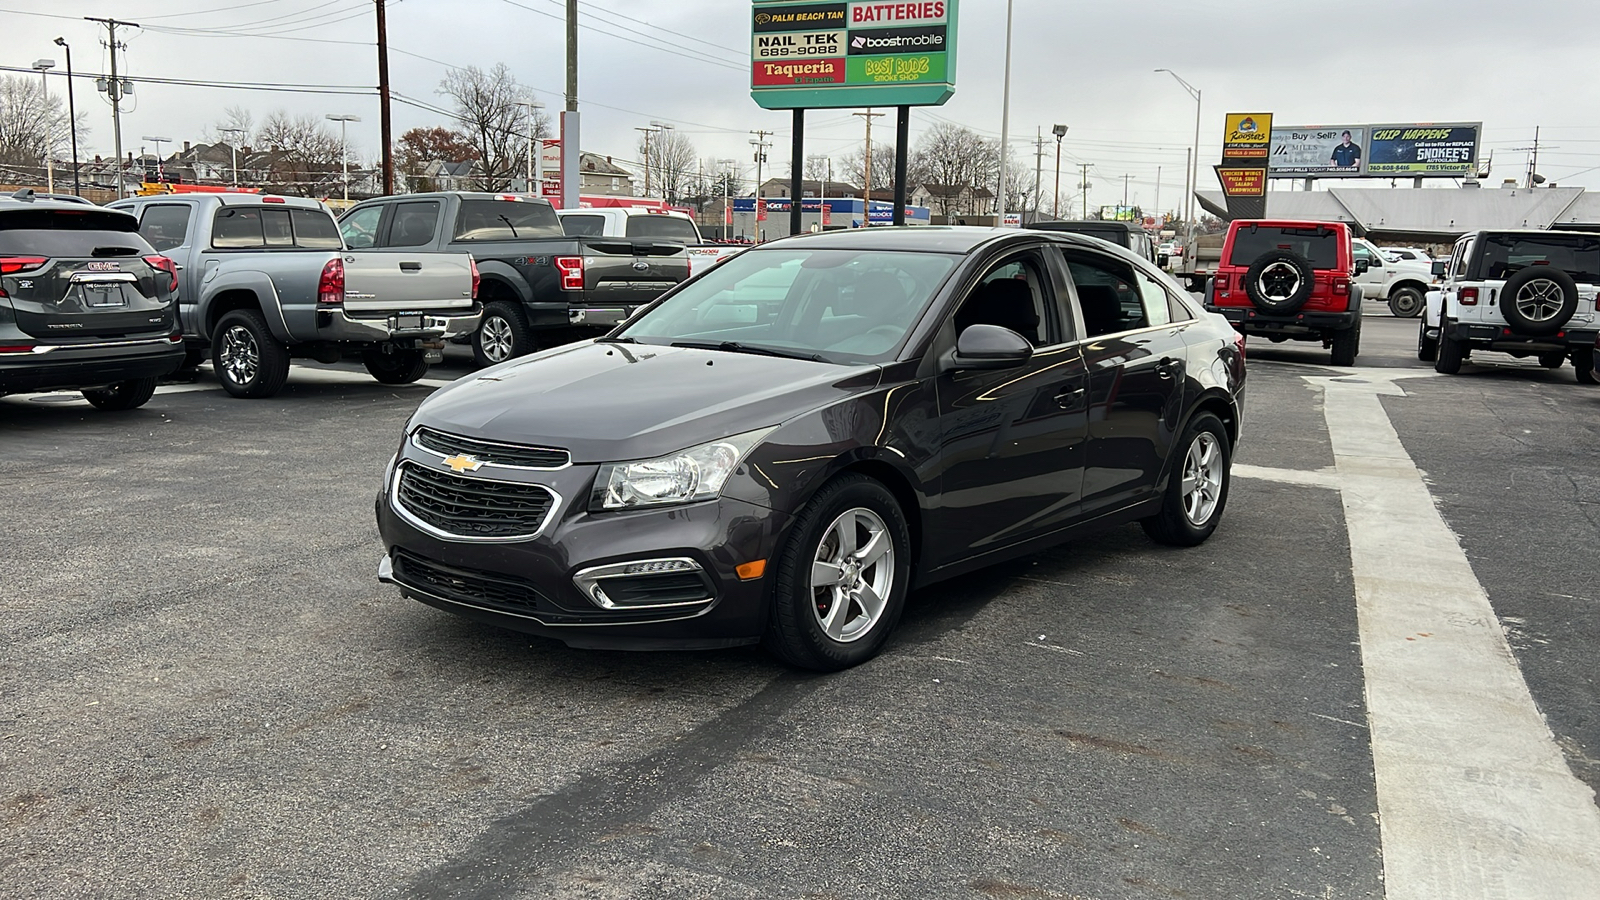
{"type": "Point", "coordinates": [206, 693]}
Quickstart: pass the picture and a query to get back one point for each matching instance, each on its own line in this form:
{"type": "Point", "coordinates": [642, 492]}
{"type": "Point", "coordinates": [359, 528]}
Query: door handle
{"type": "Point", "coordinates": [411, 267]}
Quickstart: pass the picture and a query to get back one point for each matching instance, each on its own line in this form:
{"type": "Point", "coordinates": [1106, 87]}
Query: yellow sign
{"type": "Point", "coordinates": [1248, 136]}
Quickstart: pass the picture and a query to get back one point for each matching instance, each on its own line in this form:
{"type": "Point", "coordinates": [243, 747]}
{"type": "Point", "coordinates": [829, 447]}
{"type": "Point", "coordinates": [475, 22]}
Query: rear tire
{"type": "Point", "coordinates": [834, 602]}
{"type": "Point", "coordinates": [1583, 363]}
{"type": "Point", "coordinates": [392, 365]}
{"type": "Point", "coordinates": [1552, 359]}
{"type": "Point", "coordinates": [123, 395]}
{"type": "Point", "coordinates": [502, 335]}
{"type": "Point", "coordinates": [1427, 347]}
{"type": "Point", "coordinates": [1451, 352]}
{"type": "Point", "coordinates": [1347, 345]}
{"type": "Point", "coordinates": [249, 361]}
{"type": "Point", "coordinates": [1406, 302]}
{"type": "Point", "coordinates": [1197, 488]}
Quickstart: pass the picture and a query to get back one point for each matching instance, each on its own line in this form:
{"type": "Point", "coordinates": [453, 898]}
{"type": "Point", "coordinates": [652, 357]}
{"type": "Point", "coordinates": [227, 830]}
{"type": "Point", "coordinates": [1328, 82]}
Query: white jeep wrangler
{"type": "Point", "coordinates": [1526, 293]}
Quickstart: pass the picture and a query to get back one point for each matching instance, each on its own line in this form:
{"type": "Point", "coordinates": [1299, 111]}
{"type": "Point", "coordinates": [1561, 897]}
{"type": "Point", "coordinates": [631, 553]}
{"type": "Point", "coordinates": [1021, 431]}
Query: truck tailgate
{"type": "Point", "coordinates": [631, 270]}
{"type": "Point", "coordinates": [422, 280]}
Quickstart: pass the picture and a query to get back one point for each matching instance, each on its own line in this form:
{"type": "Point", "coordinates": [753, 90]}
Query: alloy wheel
{"type": "Point", "coordinates": [1278, 282]}
{"type": "Point", "coordinates": [240, 355]}
{"type": "Point", "coordinates": [1540, 300]}
{"type": "Point", "coordinates": [852, 575]}
{"type": "Point", "coordinates": [1202, 479]}
{"type": "Point", "coordinates": [496, 339]}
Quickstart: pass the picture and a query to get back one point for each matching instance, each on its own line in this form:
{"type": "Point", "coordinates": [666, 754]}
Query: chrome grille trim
{"type": "Point", "coordinates": [484, 451]}
{"type": "Point", "coordinates": [396, 503]}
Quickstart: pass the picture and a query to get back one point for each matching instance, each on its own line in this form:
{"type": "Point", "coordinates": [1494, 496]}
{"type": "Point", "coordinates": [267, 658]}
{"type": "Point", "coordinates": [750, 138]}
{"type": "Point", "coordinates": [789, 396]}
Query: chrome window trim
{"type": "Point", "coordinates": [588, 582]}
{"type": "Point", "coordinates": [413, 441]}
{"type": "Point", "coordinates": [419, 524]}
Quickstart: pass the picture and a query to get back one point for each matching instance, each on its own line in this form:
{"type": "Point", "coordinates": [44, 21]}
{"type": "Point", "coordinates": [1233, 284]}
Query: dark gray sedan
{"type": "Point", "coordinates": [782, 448]}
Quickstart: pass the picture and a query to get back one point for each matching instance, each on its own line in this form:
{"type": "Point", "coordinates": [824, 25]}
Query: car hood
{"type": "Point", "coordinates": [612, 402]}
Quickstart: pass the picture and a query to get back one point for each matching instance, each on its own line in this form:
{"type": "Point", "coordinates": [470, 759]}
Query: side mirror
{"type": "Point", "coordinates": [1362, 266]}
{"type": "Point", "coordinates": [1438, 268]}
{"type": "Point", "coordinates": [989, 347]}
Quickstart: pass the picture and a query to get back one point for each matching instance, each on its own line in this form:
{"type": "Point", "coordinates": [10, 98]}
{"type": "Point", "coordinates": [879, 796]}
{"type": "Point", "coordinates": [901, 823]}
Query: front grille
{"type": "Point", "coordinates": [495, 454]}
{"type": "Point", "coordinates": [468, 586]}
{"type": "Point", "coordinates": [473, 507]}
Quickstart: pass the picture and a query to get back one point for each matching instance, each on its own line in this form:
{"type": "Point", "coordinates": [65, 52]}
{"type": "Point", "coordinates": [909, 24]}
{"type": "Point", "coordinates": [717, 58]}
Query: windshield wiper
{"type": "Point", "coordinates": [736, 347]}
{"type": "Point", "coordinates": [615, 340]}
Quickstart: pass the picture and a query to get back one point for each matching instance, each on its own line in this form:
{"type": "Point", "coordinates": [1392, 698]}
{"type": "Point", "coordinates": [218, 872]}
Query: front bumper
{"type": "Point", "coordinates": [339, 325]}
{"type": "Point", "coordinates": [1501, 338]}
{"type": "Point", "coordinates": [1252, 321]}
{"type": "Point", "coordinates": [52, 367]}
{"type": "Point", "coordinates": [534, 585]}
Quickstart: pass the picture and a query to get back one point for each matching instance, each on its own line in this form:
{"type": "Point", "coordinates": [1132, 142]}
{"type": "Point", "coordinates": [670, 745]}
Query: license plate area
{"type": "Point", "coordinates": [102, 296]}
{"type": "Point", "coordinates": [406, 323]}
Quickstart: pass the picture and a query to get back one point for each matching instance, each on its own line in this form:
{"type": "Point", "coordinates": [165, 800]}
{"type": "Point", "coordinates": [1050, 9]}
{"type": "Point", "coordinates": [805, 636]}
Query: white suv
{"type": "Point", "coordinates": [1526, 293]}
{"type": "Point", "coordinates": [1400, 283]}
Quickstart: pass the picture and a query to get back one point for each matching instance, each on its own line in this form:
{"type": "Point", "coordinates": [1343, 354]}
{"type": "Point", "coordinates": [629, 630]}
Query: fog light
{"type": "Point", "coordinates": [660, 566]}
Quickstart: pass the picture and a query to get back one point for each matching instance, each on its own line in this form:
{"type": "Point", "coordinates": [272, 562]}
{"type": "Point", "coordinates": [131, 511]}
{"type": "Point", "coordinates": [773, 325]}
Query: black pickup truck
{"type": "Point", "coordinates": [540, 287]}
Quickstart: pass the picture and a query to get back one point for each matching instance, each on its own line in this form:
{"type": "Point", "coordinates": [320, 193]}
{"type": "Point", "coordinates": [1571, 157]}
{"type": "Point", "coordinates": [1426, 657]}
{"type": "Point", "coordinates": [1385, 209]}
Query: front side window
{"type": "Point", "coordinates": [1014, 294]}
{"type": "Point", "coordinates": [165, 225]}
{"type": "Point", "coordinates": [360, 228]}
{"type": "Point", "coordinates": [844, 306]}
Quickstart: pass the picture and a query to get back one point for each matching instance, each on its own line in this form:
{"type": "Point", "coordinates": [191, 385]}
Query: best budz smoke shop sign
{"type": "Point", "coordinates": [826, 54]}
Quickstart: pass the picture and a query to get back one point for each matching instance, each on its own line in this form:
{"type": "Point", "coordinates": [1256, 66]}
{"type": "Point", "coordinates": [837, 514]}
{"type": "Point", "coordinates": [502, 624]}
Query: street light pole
{"type": "Point", "coordinates": [161, 171]}
{"type": "Point", "coordinates": [72, 117]}
{"type": "Point", "coordinates": [1005, 121]}
{"type": "Point", "coordinates": [233, 148]}
{"type": "Point", "coordinates": [1060, 131]}
{"type": "Point", "coordinates": [534, 188]}
{"type": "Point", "coordinates": [45, 65]}
{"type": "Point", "coordinates": [1192, 186]}
{"type": "Point", "coordinates": [344, 149]}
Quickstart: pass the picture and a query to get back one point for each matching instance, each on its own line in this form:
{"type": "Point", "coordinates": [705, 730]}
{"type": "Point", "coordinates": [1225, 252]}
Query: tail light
{"type": "Point", "coordinates": [1341, 286]}
{"type": "Point", "coordinates": [16, 348]}
{"type": "Point", "coordinates": [1238, 341]}
{"type": "Point", "coordinates": [476, 278]}
{"type": "Point", "coordinates": [330, 287]}
{"type": "Point", "coordinates": [571, 269]}
{"type": "Point", "coordinates": [1468, 297]}
{"type": "Point", "coordinates": [10, 265]}
{"type": "Point", "coordinates": [162, 264]}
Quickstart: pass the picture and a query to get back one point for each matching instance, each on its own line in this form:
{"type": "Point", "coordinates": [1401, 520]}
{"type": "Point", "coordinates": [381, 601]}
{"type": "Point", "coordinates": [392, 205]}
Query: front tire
{"type": "Point", "coordinates": [502, 335]}
{"type": "Point", "coordinates": [249, 361]}
{"type": "Point", "coordinates": [1427, 347]}
{"type": "Point", "coordinates": [842, 577]}
{"type": "Point", "coordinates": [394, 365]}
{"type": "Point", "coordinates": [123, 395]}
{"type": "Point", "coordinates": [1197, 490]}
{"type": "Point", "coordinates": [1406, 302]}
{"type": "Point", "coordinates": [1451, 352]}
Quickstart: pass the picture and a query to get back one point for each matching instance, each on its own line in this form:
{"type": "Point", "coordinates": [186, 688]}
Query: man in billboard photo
{"type": "Point", "coordinates": [1347, 155]}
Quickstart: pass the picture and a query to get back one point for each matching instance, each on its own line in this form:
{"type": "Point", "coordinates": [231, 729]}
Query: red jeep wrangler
{"type": "Point", "coordinates": [1291, 281]}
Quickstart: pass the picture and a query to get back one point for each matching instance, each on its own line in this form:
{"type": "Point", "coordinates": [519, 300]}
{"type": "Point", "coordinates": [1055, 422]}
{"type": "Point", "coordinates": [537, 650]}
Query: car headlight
{"type": "Point", "coordinates": [683, 477]}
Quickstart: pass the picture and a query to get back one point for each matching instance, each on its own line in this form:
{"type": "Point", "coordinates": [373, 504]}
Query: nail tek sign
{"type": "Point", "coordinates": [821, 54]}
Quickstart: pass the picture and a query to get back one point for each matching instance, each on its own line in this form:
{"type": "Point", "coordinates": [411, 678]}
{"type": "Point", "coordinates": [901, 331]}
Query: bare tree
{"type": "Point", "coordinates": [237, 127]}
{"type": "Point", "coordinates": [853, 168]}
{"type": "Point", "coordinates": [487, 110]}
{"type": "Point", "coordinates": [674, 164]}
{"type": "Point", "coordinates": [304, 152]}
{"type": "Point", "coordinates": [955, 156]}
{"type": "Point", "coordinates": [29, 126]}
{"type": "Point", "coordinates": [819, 168]}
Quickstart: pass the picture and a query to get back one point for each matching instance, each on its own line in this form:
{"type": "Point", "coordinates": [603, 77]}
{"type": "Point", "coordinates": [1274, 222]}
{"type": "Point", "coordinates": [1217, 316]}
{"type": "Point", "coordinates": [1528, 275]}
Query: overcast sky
{"type": "Point", "coordinates": [1084, 63]}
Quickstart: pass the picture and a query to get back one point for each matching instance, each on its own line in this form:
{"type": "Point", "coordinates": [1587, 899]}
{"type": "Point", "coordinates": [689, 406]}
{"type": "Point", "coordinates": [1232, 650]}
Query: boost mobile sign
{"type": "Point", "coordinates": [828, 54]}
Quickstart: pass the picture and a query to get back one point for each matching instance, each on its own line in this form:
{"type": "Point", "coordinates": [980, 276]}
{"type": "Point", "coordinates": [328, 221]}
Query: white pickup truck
{"type": "Point", "coordinates": [659, 224]}
{"type": "Point", "coordinates": [1402, 284]}
{"type": "Point", "coordinates": [262, 279]}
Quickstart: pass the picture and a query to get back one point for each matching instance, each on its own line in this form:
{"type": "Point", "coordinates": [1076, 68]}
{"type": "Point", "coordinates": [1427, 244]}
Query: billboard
{"type": "Point", "coordinates": [1321, 151]}
{"type": "Point", "coordinates": [1447, 150]}
{"type": "Point", "coordinates": [1247, 136]}
{"type": "Point", "coordinates": [835, 54]}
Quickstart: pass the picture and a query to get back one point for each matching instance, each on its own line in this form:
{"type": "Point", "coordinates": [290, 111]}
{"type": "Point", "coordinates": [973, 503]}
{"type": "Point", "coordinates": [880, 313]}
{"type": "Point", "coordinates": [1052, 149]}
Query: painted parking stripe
{"type": "Point", "coordinates": [1475, 798]}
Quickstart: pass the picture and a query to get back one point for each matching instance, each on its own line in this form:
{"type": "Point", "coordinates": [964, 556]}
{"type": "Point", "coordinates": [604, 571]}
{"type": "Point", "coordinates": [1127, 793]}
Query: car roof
{"type": "Point", "coordinates": [1088, 225]}
{"type": "Point", "coordinates": [963, 239]}
{"type": "Point", "coordinates": [468, 195]}
{"type": "Point", "coordinates": [10, 204]}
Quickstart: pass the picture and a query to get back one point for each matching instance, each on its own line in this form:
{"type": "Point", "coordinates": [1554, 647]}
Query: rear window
{"type": "Point", "coordinates": [1320, 245]}
{"type": "Point", "coordinates": [584, 226]}
{"type": "Point", "coordinates": [58, 233]}
{"type": "Point", "coordinates": [671, 228]}
{"type": "Point", "coordinates": [506, 220]}
{"type": "Point", "coordinates": [1504, 254]}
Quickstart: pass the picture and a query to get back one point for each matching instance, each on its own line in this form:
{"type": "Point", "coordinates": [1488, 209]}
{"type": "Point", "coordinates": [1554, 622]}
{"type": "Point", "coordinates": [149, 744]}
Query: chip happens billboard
{"type": "Point", "coordinates": [1447, 150]}
{"type": "Point", "coordinates": [1322, 151]}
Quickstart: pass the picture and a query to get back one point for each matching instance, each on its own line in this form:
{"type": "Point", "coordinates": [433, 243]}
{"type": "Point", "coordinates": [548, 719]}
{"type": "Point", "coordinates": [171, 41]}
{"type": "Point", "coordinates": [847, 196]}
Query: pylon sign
{"type": "Point", "coordinates": [835, 54]}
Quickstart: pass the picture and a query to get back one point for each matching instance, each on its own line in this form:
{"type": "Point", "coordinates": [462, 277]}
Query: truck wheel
{"type": "Point", "coordinates": [1552, 359]}
{"type": "Point", "coordinates": [394, 365]}
{"type": "Point", "coordinates": [1427, 347]}
{"type": "Point", "coordinates": [1538, 300]}
{"type": "Point", "coordinates": [1451, 352]}
{"type": "Point", "coordinates": [1583, 362]}
{"type": "Point", "coordinates": [250, 362]}
{"type": "Point", "coordinates": [1347, 345]}
{"type": "Point", "coordinates": [503, 335]}
{"type": "Point", "coordinates": [130, 394]}
{"type": "Point", "coordinates": [1405, 302]}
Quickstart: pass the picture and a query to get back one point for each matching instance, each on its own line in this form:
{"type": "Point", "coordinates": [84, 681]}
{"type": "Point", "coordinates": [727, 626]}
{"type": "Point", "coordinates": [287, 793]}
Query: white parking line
{"type": "Point", "coordinates": [1474, 797]}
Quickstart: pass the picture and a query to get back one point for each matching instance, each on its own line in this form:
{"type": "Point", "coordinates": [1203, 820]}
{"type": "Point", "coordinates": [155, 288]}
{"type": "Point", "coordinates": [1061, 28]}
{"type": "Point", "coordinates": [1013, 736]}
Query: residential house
{"type": "Point", "coordinates": [779, 187]}
{"type": "Point", "coordinates": [953, 199]}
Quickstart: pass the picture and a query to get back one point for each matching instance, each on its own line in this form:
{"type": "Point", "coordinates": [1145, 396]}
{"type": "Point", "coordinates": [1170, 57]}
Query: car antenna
{"type": "Point", "coordinates": [25, 195]}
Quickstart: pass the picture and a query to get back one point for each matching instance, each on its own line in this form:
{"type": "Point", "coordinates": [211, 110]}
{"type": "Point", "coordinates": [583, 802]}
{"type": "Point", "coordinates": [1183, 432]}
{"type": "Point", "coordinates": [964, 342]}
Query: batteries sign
{"type": "Point", "coordinates": [824, 54]}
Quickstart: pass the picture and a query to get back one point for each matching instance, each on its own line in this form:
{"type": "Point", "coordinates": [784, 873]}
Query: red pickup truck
{"type": "Point", "coordinates": [1291, 281]}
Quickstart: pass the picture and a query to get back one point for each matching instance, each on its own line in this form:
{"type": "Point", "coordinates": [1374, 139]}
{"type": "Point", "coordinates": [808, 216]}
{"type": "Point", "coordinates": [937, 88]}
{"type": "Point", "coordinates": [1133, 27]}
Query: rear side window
{"type": "Point", "coordinates": [165, 225]}
{"type": "Point", "coordinates": [413, 224]}
{"type": "Point", "coordinates": [584, 226]}
{"type": "Point", "coordinates": [60, 233]}
{"type": "Point", "coordinates": [1320, 245]}
{"type": "Point", "coordinates": [255, 228]}
{"type": "Point", "coordinates": [1503, 255]}
{"type": "Point", "coordinates": [506, 220]}
{"type": "Point", "coordinates": [670, 228]}
{"type": "Point", "coordinates": [315, 230]}
{"type": "Point", "coordinates": [237, 228]}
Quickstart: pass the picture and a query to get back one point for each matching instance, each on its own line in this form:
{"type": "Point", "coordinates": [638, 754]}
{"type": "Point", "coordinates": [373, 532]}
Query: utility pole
{"type": "Point", "coordinates": [1005, 123]}
{"type": "Point", "coordinates": [114, 90]}
{"type": "Point", "coordinates": [1125, 190]}
{"type": "Point", "coordinates": [1158, 192]}
{"type": "Point", "coordinates": [233, 147]}
{"type": "Point", "coordinates": [1084, 185]}
{"type": "Point", "coordinates": [72, 116]}
{"type": "Point", "coordinates": [1038, 169]}
{"type": "Point", "coordinates": [1060, 131]}
{"type": "Point", "coordinates": [866, 192]}
{"type": "Point", "coordinates": [344, 149]}
{"type": "Point", "coordinates": [44, 66]}
{"type": "Point", "coordinates": [384, 133]}
{"type": "Point", "coordinates": [1533, 161]}
{"type": "Point", "coordinates": [571, 140]}
{"type": "Point", "coordinates": [761, 144]}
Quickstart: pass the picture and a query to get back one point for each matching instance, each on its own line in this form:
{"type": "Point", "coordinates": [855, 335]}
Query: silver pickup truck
{"type": "Point", "coordinates": [263, 279]}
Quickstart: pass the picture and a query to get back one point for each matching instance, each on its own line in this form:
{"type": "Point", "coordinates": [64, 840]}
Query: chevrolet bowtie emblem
{"type": "Point", "coordinates": [463, 463]}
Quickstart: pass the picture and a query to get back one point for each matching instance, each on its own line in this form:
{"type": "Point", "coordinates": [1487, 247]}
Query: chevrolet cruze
{"type": "Point", "coordinates": [780, 449]}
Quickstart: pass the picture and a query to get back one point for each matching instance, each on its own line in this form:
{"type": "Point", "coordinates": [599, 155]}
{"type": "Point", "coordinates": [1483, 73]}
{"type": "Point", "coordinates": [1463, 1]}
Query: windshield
{"type": "Point", "coordinates": [1576, 254]}
{"type": "Point", "coordinates": [1320, 245]}
{"type": "Point", "coordinates": [846, 306]}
